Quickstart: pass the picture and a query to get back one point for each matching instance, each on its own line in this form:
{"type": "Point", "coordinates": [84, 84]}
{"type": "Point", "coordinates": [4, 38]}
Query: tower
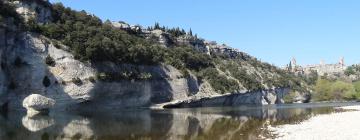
{"type": "Point", "coordinates": [293, 65]}
{"type": "Point", "coordinates": [293, 62]}
{"type": "Point", "coordinates": [342, 61]}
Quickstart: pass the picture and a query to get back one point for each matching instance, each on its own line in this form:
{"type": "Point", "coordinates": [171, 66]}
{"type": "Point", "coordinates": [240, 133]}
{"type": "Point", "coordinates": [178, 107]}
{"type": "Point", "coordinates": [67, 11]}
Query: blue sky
{"type": "Point", "coordinates": [271, 30]}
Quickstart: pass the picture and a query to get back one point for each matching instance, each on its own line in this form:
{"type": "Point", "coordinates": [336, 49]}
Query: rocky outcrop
{"type": "Point", "coordinates": [36, 103]}
{"type": "Point", "coordinates": [262, 97]}
{"type": "Point", "coordinates": [38, 10]}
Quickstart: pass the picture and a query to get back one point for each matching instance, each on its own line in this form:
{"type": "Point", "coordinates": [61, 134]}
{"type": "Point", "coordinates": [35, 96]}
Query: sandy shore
{"type": "Point", "coordinates": [336, 126]}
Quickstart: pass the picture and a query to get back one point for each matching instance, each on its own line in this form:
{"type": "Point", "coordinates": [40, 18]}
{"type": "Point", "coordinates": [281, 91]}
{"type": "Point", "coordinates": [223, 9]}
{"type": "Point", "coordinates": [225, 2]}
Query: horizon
{"type": "Point", "coordinates": [273, 32]}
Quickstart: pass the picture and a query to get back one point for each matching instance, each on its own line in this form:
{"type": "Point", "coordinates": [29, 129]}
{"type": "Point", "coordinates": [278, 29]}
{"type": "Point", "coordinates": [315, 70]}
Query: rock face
{"type": "Point", "coordinates": [38, 10]}
{"type": "Point", "coordinates": [24, 70]}
{"type": "Point", "coordinates": [28, 75]}
{"type": "Point", "coordinates": [251, 98]}
{"type": "Point", "coordinates": [36, 103]}
{"type": "Point", "coordinates": [167, 85]}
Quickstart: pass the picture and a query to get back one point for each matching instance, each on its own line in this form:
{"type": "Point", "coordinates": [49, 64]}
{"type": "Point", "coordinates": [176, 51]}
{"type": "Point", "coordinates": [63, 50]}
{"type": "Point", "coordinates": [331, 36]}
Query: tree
{"type": "Point", "coordinates": [156, 26]}
{"type": "Point", "coordinates": [349, 71]}
{"type": "Point", "coordinates": [290, 67]}
{"type": "Point", "coordinates": [50, 61]}
{"type": "Point", "coordinates": [341, 90]}
{"type": "Point", "coordinates": [190, 32]}
{"type": "Point", "coordinates": [322, 90]}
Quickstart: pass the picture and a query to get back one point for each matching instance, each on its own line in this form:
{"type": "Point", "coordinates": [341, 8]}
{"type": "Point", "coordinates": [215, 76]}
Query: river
{"type": "Point", "coordinates": [215, 123]}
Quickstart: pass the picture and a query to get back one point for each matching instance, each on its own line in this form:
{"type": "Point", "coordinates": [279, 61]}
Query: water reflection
{"type": "Point", "coordinates": [37, 123]}
{"type": "Point", "coordinates": [230, 123]}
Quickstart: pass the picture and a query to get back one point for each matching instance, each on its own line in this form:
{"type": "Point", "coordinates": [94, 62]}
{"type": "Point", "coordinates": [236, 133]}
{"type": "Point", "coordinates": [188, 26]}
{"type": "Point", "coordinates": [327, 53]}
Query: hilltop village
{"type": "Point", "coordinates": [165, 39]}
{"type": "Point", "coordinates": [321, 69]}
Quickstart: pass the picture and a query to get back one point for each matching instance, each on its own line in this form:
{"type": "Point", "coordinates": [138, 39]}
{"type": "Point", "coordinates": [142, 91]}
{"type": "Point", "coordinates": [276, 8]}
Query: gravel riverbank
{"type": "Point", "coordinates": [335, 126]}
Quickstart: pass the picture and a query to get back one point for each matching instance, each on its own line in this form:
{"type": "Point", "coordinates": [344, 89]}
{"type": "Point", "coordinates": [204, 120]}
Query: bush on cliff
{"type": "Point", "coordinates": [8, 11]}
{"type": "Point", "coordinates": [219, 82]}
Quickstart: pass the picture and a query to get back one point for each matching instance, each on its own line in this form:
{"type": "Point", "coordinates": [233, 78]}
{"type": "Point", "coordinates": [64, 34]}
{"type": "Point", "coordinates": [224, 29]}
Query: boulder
{"type": "Point", "coordinates": [36, 104]}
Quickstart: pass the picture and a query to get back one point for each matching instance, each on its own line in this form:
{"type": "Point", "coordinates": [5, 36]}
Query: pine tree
{"type": "Point", "coordinates": [157, 26]}
{"type": "Point", "coordinates": [190, 32]}
{"type": "Point", "coordinates": [289, 66]}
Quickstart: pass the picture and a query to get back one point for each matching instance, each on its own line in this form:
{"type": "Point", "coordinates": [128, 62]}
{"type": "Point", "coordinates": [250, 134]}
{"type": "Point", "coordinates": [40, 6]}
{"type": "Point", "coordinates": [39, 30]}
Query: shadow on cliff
{"type": "Point", "coordinates": [27, 72]}
{"type": "Point", "coordinates": [132, 92]}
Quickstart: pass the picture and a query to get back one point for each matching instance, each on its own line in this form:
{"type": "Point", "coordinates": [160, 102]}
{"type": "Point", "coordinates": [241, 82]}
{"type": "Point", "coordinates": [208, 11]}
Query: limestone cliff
{"type": "Point", "coordinates": [34, 64]}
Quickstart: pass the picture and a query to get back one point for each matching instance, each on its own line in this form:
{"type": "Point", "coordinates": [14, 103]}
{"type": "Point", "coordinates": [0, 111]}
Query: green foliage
{"type": "Point", "coordinates": [92, 79]}
{"type": "Point", "coordinates": [76, 81]}
{"type": "Point", "coordinates": [352, 70]}
{"type": "Point", "coordinates": [186, 57]}
{"type": "Point", "coordinates": [327, 90]}
{"type": "Point", "coordinates": [56, 44]}
{"type": "Point", "coordinates": [289, 98]}
{"type": "Point", "coordinates": [264, 74]}
{"type": "Point", "coordinates": [341, 90]}
{"type": "Point", "coordinates": [124, 75]}
{"type": "Point", "coordinates": [50, 61]}
{"type": "Point", "coordinates": [145, 76]}
{"type": "Point", "coordinates": [219, 82]}
{"type": "Point", "coordinates": [101, 76]}
{"type": "Point", "coordinates": [311, 78]}
{"type": "Point", "coordinates": [175, 32]}
{"type": "Point", "coordinates": [32, 26]}
{"type": "Point", "coordinates": [322, 90]}
{"type": "Point", "coordinates": [8, 11]}
{"type": "Point", "coordinates": [91, 40]}
{"type": "Point", "coordinates": [357, 86]}
{"type": "Point", "coordinates": [349, 71]}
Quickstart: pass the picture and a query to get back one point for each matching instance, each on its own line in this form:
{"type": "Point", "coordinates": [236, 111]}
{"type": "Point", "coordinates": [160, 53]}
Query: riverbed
{"type": "Point", "coordinates": [293, 121]}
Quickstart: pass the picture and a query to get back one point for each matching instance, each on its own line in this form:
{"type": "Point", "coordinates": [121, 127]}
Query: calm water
{"type": "Point", "coordinates": [233, 123]}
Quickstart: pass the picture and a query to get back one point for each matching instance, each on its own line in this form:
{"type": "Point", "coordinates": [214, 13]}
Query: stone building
{"type": "Point", "coordinates": [321, 69]}
{"type": "Point", "coordinates": [222, 49]}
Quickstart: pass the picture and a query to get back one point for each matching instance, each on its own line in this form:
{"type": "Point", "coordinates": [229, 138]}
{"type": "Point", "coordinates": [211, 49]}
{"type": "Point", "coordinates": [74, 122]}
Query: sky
{"type": "Point", "coordinates": [272, 30]}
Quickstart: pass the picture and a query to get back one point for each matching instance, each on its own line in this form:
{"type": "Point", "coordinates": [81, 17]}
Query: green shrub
{"type": "Point", "coordinates": [145, 76]}
{"type": "Point", "coordinates": [76, 81]}
{"type": "Point", "coordinates": [220, 83]}
{"type": "Point", "coordinates": [92, 79]}
{"type": "Point", "coordinates": [327, 90]}
{"type": "Point", "coordinates": [50, 61]}
{"type": "Point", "coordinates": [56, 44]}
{"type": "Point", "coordinates": [101, 76]}
{"type": "Point", "coordinates": [289, 98]}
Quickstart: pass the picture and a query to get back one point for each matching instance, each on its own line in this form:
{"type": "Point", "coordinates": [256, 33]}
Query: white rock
{"type": "Point", "coordinates": [36, 103]}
